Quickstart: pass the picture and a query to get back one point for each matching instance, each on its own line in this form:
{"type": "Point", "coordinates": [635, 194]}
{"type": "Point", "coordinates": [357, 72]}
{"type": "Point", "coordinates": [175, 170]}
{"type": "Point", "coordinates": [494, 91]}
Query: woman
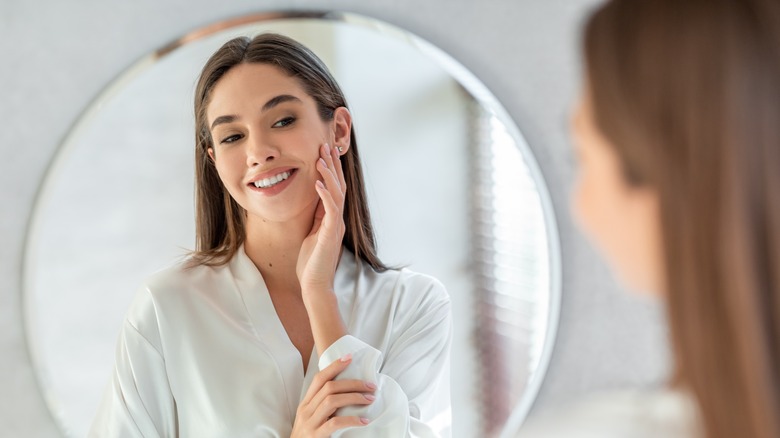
{"type": "Point", "coordinates": [678, 134]}
{"type": "Point", "coordinates": [284, 322]}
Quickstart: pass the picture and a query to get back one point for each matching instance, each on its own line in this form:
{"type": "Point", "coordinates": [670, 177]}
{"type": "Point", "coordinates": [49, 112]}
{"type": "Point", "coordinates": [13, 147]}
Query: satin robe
{"type": "Point", "coordinates": [202, 353]}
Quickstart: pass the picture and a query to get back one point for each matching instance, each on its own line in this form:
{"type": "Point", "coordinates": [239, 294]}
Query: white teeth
{"type": "Point", "coordinates": [272, 181]}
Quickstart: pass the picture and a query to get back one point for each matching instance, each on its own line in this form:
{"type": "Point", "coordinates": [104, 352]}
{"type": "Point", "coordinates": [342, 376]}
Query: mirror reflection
{"type": "Point", "coordinates": [452, 188]}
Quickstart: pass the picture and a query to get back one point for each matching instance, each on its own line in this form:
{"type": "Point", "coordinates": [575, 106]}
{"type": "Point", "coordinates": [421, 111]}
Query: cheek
{"type": "Point", "coordinates": [621, 223]}
{"type": "Point", "coordinates": [230, 168]}
{"type": "Point", "coordinates": [585, 206]}
{"type": "Point", "coordinates": [601, 213]}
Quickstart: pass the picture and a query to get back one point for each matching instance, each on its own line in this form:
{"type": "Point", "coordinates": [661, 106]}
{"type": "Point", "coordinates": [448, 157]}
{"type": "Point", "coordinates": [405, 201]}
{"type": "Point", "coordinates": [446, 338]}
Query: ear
{"type": "Point", "coordinates": [342, 127]}
{"type": "Point", "coordinates": [211, 153]}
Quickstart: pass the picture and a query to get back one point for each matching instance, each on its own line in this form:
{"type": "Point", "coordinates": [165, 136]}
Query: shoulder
{"type": "Point", "coordinates": [171, 287]}
{"type": "Point", "coordinates": [407, 294]}
{"type": "Point", "coordinates": [628, 413]}
{"type": "Point", "coordinates": [406, 285]}
{"type": "Point", "coordinates": [182, 275]}
{"type": "Point", "coordinates": [425, 286]}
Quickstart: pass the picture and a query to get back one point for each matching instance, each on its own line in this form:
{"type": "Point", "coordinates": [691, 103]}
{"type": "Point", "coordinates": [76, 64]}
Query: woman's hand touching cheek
{"type": "Point", "coordinates": [321, 249]}
{"type": "Point", "coordinates": [320, 252]}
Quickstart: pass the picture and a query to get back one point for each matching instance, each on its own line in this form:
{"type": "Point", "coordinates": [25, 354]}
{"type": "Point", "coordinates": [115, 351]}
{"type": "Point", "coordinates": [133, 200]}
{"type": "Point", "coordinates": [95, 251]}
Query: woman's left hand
{"type": "Point", "coordinates": [321, 249]}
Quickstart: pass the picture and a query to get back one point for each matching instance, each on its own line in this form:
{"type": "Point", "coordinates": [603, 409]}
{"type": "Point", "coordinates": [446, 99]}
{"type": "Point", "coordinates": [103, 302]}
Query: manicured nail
{"type": "Point", "coordinates": [369, 397]}
{"type": "Point", "coordinates": [327, 148]}
{"type": "Point", "coordinates": [323, 162]}
{"type": "Point", "coordinates": [370, 385]}
{"type": "Point", "coordinates": [347, 357]}
{"type": "Point", "coordinates": [320, 184]}
{"type": "Point", "coordinates": [364, 420]}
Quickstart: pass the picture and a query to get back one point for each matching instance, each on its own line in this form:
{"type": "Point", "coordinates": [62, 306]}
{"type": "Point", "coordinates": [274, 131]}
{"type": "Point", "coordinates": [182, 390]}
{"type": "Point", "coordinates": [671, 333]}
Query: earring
{"type": "Point", "coordinates": [341, 149]}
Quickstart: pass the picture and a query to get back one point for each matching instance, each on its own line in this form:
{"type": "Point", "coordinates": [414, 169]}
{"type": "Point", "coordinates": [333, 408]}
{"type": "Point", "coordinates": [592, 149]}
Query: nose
{"type": "Point", "coordinates": [260, 151]}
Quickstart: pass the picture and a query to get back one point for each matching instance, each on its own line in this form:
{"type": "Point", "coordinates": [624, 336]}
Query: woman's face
{"type": "Point", "coordinates": [622, 220]}
{"type": "Point", "coordinates": [266, 134]}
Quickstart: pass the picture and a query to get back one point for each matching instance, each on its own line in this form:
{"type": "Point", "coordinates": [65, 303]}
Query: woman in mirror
{"type": "Point", "coordinates": [283, 322]}
{"type": "Point", "coordinates": [678, 138]}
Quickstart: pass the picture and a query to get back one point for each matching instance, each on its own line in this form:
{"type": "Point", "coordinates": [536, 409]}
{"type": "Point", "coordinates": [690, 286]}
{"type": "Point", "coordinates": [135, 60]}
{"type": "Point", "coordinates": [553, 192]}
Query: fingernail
{"type": "Point", "coordinates": [320, 184]}
{"type": "Point", "coordinates": [327, 148]}
{"type": "Point", "coordinates": [364, 420]}
{"type": "Point", "coordinates": [323, 162]}
{"type": "Point", "coordinates": [369, 397]}
{"type": "Point", "coordinates": [370, 385]}
{"type": "Point", "coordinates": [346, 358]}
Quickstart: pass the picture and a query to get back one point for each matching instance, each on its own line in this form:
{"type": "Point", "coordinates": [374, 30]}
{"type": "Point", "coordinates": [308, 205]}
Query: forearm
{"type": "Point", "coordinates": [324, 317]}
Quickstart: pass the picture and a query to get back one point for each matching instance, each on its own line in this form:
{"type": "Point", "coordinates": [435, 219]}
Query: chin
{"type": "Point", "coordinates": [284, 211]}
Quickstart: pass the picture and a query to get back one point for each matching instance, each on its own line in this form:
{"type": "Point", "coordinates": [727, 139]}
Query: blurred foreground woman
{"type": "Point", "coordinates": [678, 137]}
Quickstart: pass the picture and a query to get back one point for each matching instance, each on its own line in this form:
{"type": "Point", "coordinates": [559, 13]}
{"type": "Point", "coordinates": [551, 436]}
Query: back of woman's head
{"type": "Point", "coordinates": [688, 94]}
{"type": "Point", "coordinates": [219, 218]}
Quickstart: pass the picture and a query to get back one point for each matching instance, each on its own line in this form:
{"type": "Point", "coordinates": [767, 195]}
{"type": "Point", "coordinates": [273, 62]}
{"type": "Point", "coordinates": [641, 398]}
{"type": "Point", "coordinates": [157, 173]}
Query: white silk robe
{"type": "Point", "coordinates": [202, 353]}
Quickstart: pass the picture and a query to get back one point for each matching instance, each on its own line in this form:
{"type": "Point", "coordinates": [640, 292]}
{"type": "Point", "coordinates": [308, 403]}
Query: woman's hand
{"type": "Point", "coordinates": [320, 251]}
{"type": "Point", "coordinates": [314, 417]}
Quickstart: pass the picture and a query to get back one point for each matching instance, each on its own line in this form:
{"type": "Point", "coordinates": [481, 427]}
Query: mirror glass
{"type": "Point", "coordinates": [454, 192]}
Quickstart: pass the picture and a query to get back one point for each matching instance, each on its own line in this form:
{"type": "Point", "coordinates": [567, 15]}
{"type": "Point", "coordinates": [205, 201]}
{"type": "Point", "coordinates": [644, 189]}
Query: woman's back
{"type": "Point", "coordinates": [678, 139]}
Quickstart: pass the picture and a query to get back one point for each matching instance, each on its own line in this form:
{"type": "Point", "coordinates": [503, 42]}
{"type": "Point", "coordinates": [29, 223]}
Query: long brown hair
{"type": "Point", "coordinates": [219, 218]}
{"type": "Point", "coordinates": [688, 93]}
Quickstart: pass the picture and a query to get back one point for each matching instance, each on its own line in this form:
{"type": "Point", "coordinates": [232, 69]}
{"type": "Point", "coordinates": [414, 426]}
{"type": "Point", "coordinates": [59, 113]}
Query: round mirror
{"type": "Point", "coordinates": [454, 192]}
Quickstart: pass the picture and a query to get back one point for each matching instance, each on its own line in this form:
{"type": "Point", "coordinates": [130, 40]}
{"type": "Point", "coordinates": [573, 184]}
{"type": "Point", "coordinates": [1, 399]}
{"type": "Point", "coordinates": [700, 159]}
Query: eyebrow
{"type": "Point", "coordinates": [282, 98]}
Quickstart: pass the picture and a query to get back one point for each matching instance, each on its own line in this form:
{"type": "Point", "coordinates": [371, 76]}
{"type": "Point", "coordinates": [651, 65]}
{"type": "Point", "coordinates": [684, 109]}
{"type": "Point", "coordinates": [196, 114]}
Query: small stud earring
{"type": "Point", "coordinates": [341, 149]}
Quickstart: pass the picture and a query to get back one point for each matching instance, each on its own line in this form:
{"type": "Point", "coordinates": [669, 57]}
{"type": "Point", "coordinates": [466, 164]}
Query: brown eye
{"type": "Point", "coordinates": [284, 122]}
{"type": "Point", "coordinates": [231, 139]}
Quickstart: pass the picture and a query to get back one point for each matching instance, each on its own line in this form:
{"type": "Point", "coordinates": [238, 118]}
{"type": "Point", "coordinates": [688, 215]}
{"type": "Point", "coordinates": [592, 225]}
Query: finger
{"type": "Point", "coordinates": [330, 179]}
{"type": "Point", "coordinates": [334, 165]}
{"type": "Point", "coordinates": [327, 374]}
{"type": "Point", "coordinates": [326, 153]}
{"type": "Point", "coordinates": [334, 402]}
{"type": "Point", "coordinates": [339, 170]}
{"type": "Point", "coordinates": [331, 186]}
{"type": "Point", "coordinates": [332, 225]}
{"type": "Point", "coordinates": [337, 423]}
{"type": "Point", "coordinates": [341, 387]}
{"type": "Point", "coordinates": [326, 199]}
{"type": "Point", "coordinates": [319, 213]}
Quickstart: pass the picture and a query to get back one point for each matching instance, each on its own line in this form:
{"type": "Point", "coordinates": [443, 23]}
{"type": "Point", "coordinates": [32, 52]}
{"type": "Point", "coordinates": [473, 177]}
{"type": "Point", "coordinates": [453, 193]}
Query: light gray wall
{"type": "Point", "coordinates": [57, 56]}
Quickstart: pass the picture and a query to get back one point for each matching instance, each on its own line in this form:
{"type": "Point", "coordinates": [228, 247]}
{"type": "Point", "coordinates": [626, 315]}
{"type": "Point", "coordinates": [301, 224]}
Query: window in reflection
{"type": "Point", "coordinates": [511, 263]}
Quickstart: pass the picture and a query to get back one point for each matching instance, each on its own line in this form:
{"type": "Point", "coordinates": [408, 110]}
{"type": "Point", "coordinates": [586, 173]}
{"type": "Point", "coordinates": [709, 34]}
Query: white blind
{"type": "Point", "coordinates": [511, 266]}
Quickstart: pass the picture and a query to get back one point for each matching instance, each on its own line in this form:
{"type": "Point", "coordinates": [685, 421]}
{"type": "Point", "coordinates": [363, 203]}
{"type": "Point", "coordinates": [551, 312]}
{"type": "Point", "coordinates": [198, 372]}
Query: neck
{"type": "Point", "coordinates": [274, 247]}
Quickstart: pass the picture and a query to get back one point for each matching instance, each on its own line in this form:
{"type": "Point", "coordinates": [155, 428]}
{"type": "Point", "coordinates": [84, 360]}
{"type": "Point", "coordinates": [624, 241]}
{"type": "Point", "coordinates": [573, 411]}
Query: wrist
{"type": "Point", "coordinates": [324, 317]}
{"type": "Point", "coordinates": [317, 294]}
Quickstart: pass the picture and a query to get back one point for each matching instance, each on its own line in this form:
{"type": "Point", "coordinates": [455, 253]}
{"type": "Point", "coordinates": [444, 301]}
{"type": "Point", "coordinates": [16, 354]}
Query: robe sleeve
{"type": "Point", "coordinates": [412, 377]}
{"type": "Point", "coordinates": [138, 400]}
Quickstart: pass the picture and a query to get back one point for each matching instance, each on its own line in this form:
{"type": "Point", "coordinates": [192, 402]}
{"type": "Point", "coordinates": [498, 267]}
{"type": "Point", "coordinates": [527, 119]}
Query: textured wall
{"type": "Point", "coordinates": [57, 56]}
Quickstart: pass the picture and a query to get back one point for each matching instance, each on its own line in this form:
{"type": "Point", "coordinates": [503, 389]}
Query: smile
{"type": "Point", "coordinates": [272, 181]}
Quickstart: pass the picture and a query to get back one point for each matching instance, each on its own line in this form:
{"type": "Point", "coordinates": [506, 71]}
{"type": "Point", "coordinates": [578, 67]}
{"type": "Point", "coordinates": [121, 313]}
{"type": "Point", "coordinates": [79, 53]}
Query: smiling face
{"type": "Point", "coordinates": [622, 219]}
{"type": "Point", "coordinates": [266, 133]}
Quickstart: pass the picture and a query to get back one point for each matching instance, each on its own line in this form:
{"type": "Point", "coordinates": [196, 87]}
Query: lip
{"type": "Point", "coordinates": [275, 189]}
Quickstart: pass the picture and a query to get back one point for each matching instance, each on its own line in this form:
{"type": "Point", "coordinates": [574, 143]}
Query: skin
{"type": "Point", "coordinates": [293, 237]}
{"type": "Point", "coordinates": [622, 220]}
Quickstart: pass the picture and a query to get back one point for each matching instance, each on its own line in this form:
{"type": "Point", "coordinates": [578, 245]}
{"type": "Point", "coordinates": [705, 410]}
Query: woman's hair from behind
{"type": "Point", "coordinates": [688, 94]}
{"type": "Point", "coordinates": [219, 218]}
